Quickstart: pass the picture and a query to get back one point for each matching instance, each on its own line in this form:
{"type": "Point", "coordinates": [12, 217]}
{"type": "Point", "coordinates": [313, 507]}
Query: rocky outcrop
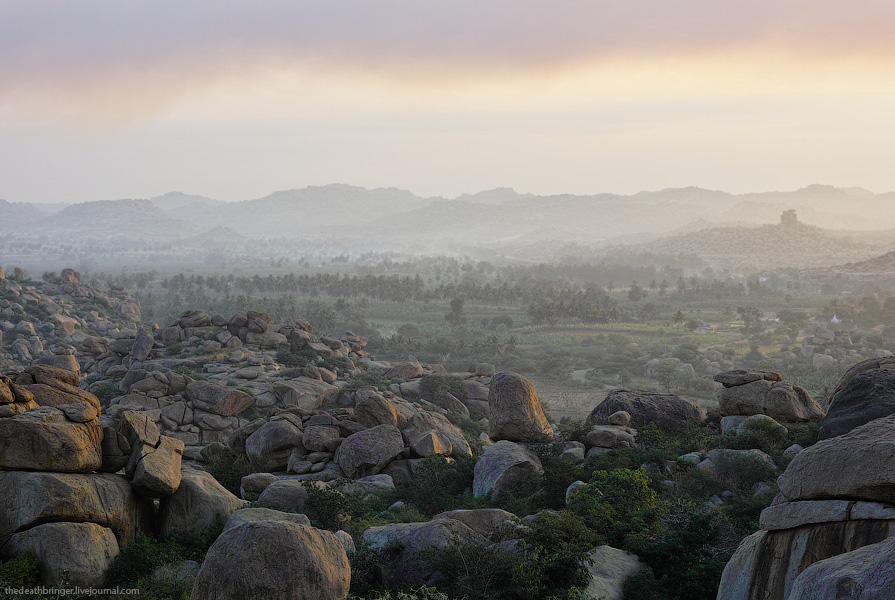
{"type": "Point", "coordinates": [855, 465]}
{"type": "Point", "coordinates": [77, 553]}
{"type": "Point", "coordinates": [835, 497]}
{"type": "Point", "coordinates": [51, 439]}
{"type": "Point", "coordinates": [28, 499]}
{"type": "Point", "coordinates": [274, 559]}
{"type": "Point", "coordinates": [866, 392]}
{"type": "Point", "coordinates": [865, 574]}
{"type": "Point", "coordinates": [414, 542]}
{"type": "Point", "coordinates": [199, 503]}
{"type": "Point", "coordinates": [747, 393]}
{"type": "Point", "coordinates": [367, 452]}
{"type": "Point", "coordinates": [503, 466]}
{"type": "Point", "coordinates": [669, 412]}
{"type": "Point", "coordinates": [516, 412]}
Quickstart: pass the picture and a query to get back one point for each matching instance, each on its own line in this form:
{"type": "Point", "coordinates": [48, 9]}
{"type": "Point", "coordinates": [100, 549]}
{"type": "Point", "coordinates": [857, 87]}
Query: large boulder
{"type": "Point", "coordinates": [609, 569]}
{"type": "Point", "coordinates": [68, 553]}
{"type": "Point", "coordinates": [789, 402]}
{"type": "Point", "coordinates": [156, 471]}
{"type": "Point", "coordinates": [430, 433]}
{"type": "Point", "coordinates": [867, 573]}
{"type": "Point", "coordinates": [855, 465]}
{"type": "Point", "coordinates": [516, 412]}
{"type": "Point", "coordinates": [669, 412]}
{"type": "Point", "coordinates": [218, 399]}
{"type": "Point", "coordinates": [288, 496]}
{"type": "Point", "coordinates": [254, 515]}
{"type": "Point", "coordinates": [367, 452]}
{"type": "Point", "coordinates": [767, 563]}
{"type": "Point", "coordinates": [742, 377]}
{"type": "Point", "coordinates": [199, 503]}
{"type": "Point", "coordinates": [866, 392]}
{"type": "Point", "coordinates": [502, 467]}
{"type": "Point", "coordinates": [269, 447]}
{"type": "Point", "coordinates": [304, 392]}
{"type": "Point", "coordinates": [276, 560]}
{"type": "Point", "coordinates": [411, 545]}
{"type": "Point", "coordinates": [46, 439]}
{"type": "Point", "coordinates": [747, 399]}
{"type": "Point", "coordinates": [30, 498]}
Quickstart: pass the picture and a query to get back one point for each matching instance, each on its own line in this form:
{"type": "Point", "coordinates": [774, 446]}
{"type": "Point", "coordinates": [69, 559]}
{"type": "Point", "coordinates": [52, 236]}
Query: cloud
{"type": "Point", "coordinates": [107, 57]}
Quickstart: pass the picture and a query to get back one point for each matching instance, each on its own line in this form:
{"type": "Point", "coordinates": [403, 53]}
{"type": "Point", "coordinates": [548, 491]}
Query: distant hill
{"type": "Point", "coordinates": [729, 227]}
{"type": "Point", "coordinates": [792, 245]}
{"type": "Point", "coordinates": [16, 215]}
{"type": "Point", "coordinates": [113, 219]}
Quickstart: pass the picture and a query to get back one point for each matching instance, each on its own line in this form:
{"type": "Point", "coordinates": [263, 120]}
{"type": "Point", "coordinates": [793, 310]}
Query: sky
{"type": "Point", "coordinates": [104, 99]}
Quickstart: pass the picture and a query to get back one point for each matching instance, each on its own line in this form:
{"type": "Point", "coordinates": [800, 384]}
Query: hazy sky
{"type": "Point", "coordinates": [234, 99]}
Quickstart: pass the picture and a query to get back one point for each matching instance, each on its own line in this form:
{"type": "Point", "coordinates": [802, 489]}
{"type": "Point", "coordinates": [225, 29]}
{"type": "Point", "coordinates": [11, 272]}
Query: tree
{"type": "Point", "coordinates": [457, 305]}
{"type": "Point", "coordinates": [678, 317]}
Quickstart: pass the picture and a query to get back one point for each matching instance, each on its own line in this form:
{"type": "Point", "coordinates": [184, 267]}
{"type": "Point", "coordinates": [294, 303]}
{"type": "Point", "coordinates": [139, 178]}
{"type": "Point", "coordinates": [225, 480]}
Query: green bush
{"type": "Point", "coordinates": [105, 392]}
{"type": "Point", "coordinates": [439, 486]}
{"type": "Point", "coordinates": [223, 469]}
{"type": "Point", "coordinates": [686, 558]}
{"type": "Point", "coordinates": [138, 560]}
{"type": "Point", "coordinates": [19, 572]}
{"type": "Point", "coordinates": [619, 505]}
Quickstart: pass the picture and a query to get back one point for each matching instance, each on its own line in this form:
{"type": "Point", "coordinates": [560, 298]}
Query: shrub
{"type": "Point", "coordinates": [105, 392]}
{"type": "Point", "coordinates": [685, 558]}
{"type": "Point", "coordinates": [137, 561]}
{"type": "Point", "coordinates": [223, 469]}
{"type": "Point", "coordinates": [620, 504]}
{"type": "Point", "coordinates": [19, 572]}
{"type": "Point", "coordinates": [439, 486]}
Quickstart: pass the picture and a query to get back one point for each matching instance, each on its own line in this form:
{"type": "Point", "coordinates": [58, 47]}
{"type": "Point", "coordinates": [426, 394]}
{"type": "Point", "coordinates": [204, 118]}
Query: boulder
{"type": "Point", "coordinates": [199, 503]}
{"type": "Point", "coordinates": [44, 439]}
{"type": "Point", "coordinates": [253, 485]}
{"type": "Point", "coordinates": [367, 452]}
{"type": "Point", "coordinates": [30, 498]}
{"type": "Point", "coordinates": [609, 569]}
{"type": "Point", "coordinates": [268, 560]}
{"type": "Point", "coordinates": [516, 412]}
{"type": "Point", "coordinates": [747, 399]}
{"type": "Point", "coordinates": [218, 399]}
{"type": "Point", "coordinates": [610, 436]}
{"type": "Point", "coordinates": [254, 515]}
{"type": "Point", "coordinates": [430, 433]}
{"type": "Point", "coordinates": [742, 377]}
{"type": "Point", "coordinates": [866, 392]}
{"type": "Point", "coordinates": [867, 573]}
{"type": "Point", "coordinates": [76, 554]}
{"type": "Point", "coordinates": [287, 495]}
{"type": "Point", "coordinates": [791, 403]}
{"type": "Point", "coordinates": [501, 467]}
{"type": "Point", "coordinates": [669, 412]}
{"type": "Point", "coordinates": [304, 392]}
{"type": "Point", "coordinates": [767, 563]}
{"type": "Point", "coordinates": [157, 471]}
{"type": "Point", "coordinates": [411, 543]}
{"type": "Point", "coordinates": [406, 370]}
{"type": "Point", "coordinates": [854, 465]}
{"type": "Point", "coordinates": [317, 437]}
{"type": "Point", "coordinates": [269, 447]}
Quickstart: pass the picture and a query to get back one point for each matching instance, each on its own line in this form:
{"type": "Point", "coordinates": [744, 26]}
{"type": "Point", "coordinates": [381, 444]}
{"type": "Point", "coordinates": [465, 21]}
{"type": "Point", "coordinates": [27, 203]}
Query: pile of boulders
{"type": "Point", "coordinates": [747, 393]}
{"type": "Point", "coordinates": [73, 491]}
{"type": "Point", "coordinates": [832, 527]}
